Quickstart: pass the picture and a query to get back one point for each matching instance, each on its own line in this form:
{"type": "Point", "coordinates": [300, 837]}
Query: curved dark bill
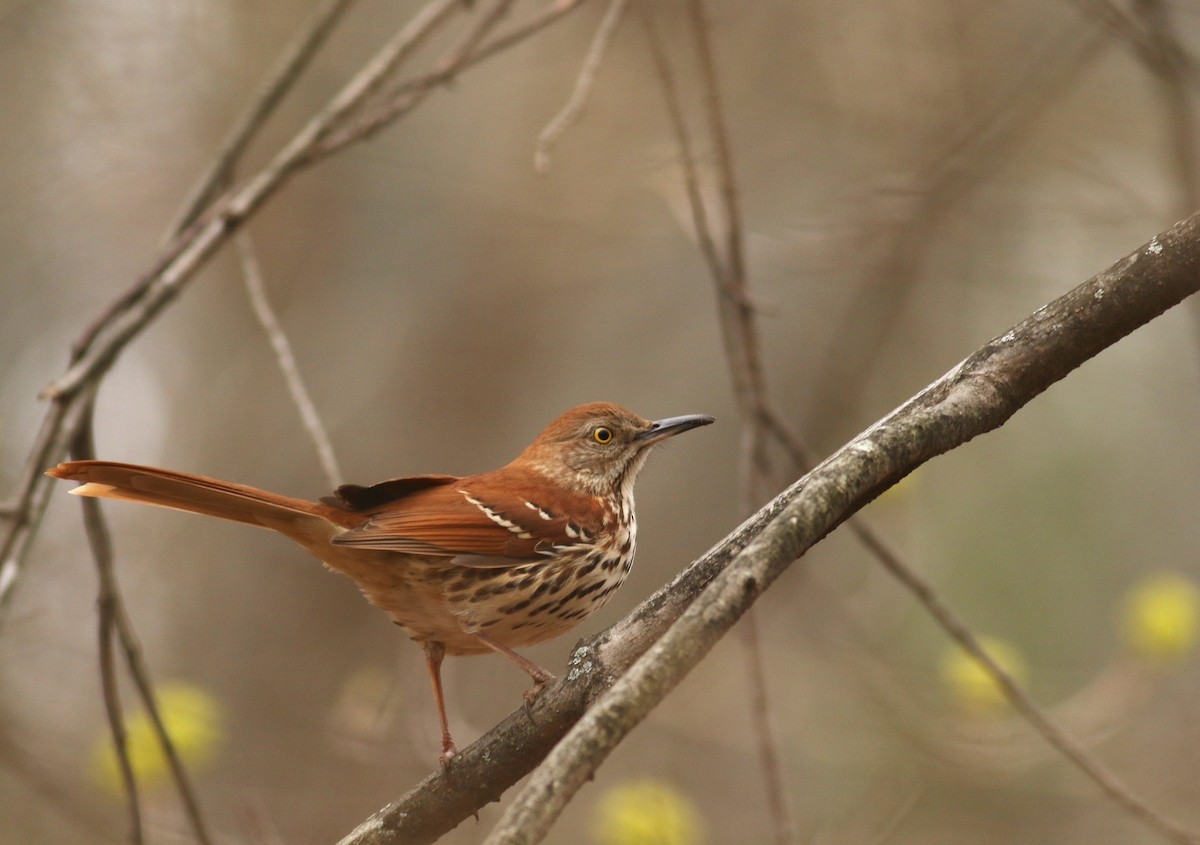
{"type": "Point", "coordinates": [662, 429]}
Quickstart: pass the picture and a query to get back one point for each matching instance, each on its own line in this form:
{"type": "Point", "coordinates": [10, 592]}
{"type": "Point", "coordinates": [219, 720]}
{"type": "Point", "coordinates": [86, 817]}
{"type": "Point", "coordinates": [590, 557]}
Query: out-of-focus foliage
{"type": "Point", "coordinates": [646, 812]}
{"type": "Point", "coordinates": [190, 716]}
{"type": "Point", "coordinates": [970, 686]}
{"type": "Point", "coordinates": [1162, 614]}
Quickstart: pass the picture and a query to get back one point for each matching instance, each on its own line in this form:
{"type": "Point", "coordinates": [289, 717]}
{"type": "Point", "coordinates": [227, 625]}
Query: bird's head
{"type": "Point", "coordinates": [599, 448]}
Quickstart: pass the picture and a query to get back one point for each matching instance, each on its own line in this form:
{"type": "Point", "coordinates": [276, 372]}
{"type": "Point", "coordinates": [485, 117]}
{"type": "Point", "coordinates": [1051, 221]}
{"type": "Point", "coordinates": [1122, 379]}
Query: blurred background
{"type": "Point", "coordinates": [915, 178]}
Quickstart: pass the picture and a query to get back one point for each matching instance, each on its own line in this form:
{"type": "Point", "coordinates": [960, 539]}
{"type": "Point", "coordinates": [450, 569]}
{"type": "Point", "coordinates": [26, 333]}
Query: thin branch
{"type": "Point", "coordinates": [406, 97]}
{"type": "Point", "coordinates": [188, 252]}
{"type": "Point", "coordinates": [287, 71]}
{"type": "Point", "coordinates": [948, 179]}
{"type": "Point", "coordinates": [1116, 21]}
{"type": "Point", "coordinates": [1059, 739]}
{"type": "Point", "coordinates": [112, 701]}
{"type": "Point", "coordinates": [1165, 57]}
{"type": "Point", "coordinates": [573, 108]}
{"type": "Point", "coordinates": [666, 78]}
{"type": "Point", "coordinates": [925, 593]}
{"type": "Point", "coordinates": [140, 673]}
{"type": "Point", "coordinates": [534, 25]}
{"type": "Point", "coordinates": [740, 335]}
{"type": "Point", "coordinates": [256, 289]}
{"type": "Point", "coordinates": [282, 77]}
{"type": "Point", "coordinates": [977, 396]}
{"type": "Point", "coordinates": [734, 249]}
{"type": "Point", "coordinates": [468, 45]}
{"type": "Point", "coordinates": [1143, 30]}
{"type": "Point", "coordinates": [106, 338]}
{"type": "Point", "coordinates": [766, 733]}
{"type": "Point", "coordinates": [1161, 51]}
{"type": "Point", "coordinates": [108, 604]}
{"type": "Point", "coordinates": [29, 505]}
{"type": "Point", "coordinates": [115, 624]}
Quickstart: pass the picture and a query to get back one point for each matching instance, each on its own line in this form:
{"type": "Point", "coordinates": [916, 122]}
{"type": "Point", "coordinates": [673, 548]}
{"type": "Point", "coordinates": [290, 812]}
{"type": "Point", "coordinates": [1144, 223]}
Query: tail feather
{"type": "Point", "coordinates": [163, 488]}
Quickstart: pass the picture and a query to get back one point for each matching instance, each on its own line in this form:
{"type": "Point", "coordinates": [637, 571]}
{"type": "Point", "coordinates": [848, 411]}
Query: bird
{"type": "Point", "coordinates": [464, 565]}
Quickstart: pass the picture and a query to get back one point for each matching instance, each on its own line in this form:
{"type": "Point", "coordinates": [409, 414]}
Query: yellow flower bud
{"type": "Point", "coordinates": [191, 717]}
{"type": "Point", "coordinates": [968, 683]}
{"type": "Point", "coordinates": [1162, 614]}
{"type": "Point", "coordinates": [646, 812]}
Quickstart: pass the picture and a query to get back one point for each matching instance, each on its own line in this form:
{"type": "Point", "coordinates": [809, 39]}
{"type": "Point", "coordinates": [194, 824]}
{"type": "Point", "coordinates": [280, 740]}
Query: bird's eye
{"type": "Point", "coordinates": [601, 434]}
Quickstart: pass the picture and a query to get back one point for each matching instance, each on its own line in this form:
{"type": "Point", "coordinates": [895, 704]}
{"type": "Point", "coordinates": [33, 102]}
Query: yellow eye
{"type": "Point", "coordinates": [602, 434]}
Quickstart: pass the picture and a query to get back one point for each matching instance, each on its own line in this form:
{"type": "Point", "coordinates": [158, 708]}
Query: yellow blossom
{"type": "Point", "coordinates": [1162, 615]}
{"type": "Point", "coordinates": [191, 717]}
{"type": "Point", "coordinates": [970, 686]}
{"type": "Point", "coordinates": [646, 812]}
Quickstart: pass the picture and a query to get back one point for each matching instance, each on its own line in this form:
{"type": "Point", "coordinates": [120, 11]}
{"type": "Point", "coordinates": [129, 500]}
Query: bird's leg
{"type": "Point", "coordinates": [434, 652]}
{"type": "Point", "coordinates": [541, 678]}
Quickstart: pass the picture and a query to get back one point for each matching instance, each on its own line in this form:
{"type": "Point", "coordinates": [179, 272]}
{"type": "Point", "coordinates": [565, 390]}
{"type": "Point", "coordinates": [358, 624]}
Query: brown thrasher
{"type": "Point", "coordinates": [487, 562]}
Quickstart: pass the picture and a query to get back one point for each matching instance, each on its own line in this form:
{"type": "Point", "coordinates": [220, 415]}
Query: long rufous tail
{"type": "Point", "coordinates": [297, 518]}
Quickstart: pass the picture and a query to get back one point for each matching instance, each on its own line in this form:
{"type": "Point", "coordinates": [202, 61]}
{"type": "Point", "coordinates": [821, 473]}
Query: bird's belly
{"type": "Point", "coordinates": [408, 588]}
{"type": "Point", "coordinates": [435, 600]}
{"type": "Point", "coordinates": [537, 602]}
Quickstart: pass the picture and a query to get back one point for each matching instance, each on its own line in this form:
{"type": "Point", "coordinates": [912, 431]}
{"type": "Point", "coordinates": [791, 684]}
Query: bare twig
{"type": "Point", "coordinates": [703, 231]}
{"type": "Point", "coordinates": [58, 427]}
{"type": "Point", "coordinates": [406, 97]}
{"type": "Point", "coordinates": [265, 314]}
{"type": "Point", "coordinates": [1164, 55]}
{"type": "Point", "coordinates": [108, 604]}
{"type": "Point", "coordinates": [740, 335]}
{"type": "Point", "coordinates": [925, 593]}
{"type": "Point", "coordinates": [766, 732]}
{"type": "Point", "coordinates": [468, 44]}
{"type": "Point", "coordinates": [115, 624]}
{"type": "Point", "coordinates": [734, 250]}
{"type": "Point", "coordinates": [978, 395]}
{"type": "Point", "coordinates": [935, 192]}
{"type": "Point", "coordinates": [1116, 21]}
{"type": "Point", "coordinates": [112, 700]}
{"type": "Point", "coordinates": [1145, 28]}
{"type": "Point", "coordinates": [106, 338]}
{"type": "Point", "coordinates": [573, 108]}
{"type": "Point", "coordinates": [188, 252]}
{"type": "Point", "coordinates": [534, 25]}
{"type": "Point", "coordinates": [1060, 740]}
{"type": "Point", "coordinates": [287, 69]}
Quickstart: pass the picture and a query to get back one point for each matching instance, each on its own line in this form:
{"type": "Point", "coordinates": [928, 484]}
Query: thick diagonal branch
{"type": "Point", "coordinates": [975, 397]}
